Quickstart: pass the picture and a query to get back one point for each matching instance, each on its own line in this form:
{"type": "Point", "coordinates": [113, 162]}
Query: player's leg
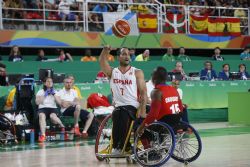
{"type": "Point", "coordinates": [116, 127]}
{"type": "Point", "coordinates": [87, 118]}
{"type": "Point", "coordinates": [42, 123]}
{"type": "Point", "coordinates": [54, 118]}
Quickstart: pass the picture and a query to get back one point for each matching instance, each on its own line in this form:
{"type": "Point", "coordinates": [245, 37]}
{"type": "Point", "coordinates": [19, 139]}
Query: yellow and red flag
{"type": "Point", "coordinates": [147, 22]}
{"type": "Point", "coordinates": [198, 24]}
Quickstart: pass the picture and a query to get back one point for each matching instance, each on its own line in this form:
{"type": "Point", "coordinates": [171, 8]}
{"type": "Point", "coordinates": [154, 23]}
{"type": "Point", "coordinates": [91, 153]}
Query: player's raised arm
{"type": "Point", "coordinates": [142, 91]}
{"type": "Point", "coordinates": [105, 67]}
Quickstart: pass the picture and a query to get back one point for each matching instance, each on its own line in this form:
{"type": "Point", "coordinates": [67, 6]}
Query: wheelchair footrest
{"type": "Point", "coordinates": [113, 155]}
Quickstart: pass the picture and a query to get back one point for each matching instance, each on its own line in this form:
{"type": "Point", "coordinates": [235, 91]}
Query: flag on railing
{"type": "Point", "coordinates": [198, 24]}
{"type": "Point", "coordinates": [224, 27]}
{"type": "Point", "coordinates": [110, 18]}
{"type": "Point", "coordinates": [175, 23]}
{"type": "Point", "coordinates": [147, 22]}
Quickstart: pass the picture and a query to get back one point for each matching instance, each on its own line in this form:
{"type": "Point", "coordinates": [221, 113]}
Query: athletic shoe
{"type": "Point", "coordinates": [77, 131]}
{"type": "Point", "coordinates": [116, 151]}
{"type": "Point", "coordinates": [85, 135]}
{"type": "Point", "coordinates": [42, 138]}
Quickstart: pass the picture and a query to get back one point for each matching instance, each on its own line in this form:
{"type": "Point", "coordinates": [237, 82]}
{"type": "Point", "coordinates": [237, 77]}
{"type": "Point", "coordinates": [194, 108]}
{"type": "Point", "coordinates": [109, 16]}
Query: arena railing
{"type": "Point", "coordinates": [161, 10]}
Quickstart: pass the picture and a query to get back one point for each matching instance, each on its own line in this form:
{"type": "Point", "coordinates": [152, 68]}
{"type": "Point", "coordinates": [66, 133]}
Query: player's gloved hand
{"type": "Point", "coordinates": [52, 91]}
{"type": "Point", "coordinates": [46, 93]}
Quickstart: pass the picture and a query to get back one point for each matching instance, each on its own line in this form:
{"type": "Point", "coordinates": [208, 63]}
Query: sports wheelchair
{"type": "Point", "coordinates": [7, 130]}
{"type": "Point", "coordinates": [154, 147]}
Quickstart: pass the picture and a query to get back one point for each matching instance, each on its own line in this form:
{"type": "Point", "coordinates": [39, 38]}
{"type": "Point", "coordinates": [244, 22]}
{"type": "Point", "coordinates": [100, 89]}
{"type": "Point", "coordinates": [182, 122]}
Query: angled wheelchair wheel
{"type": "Point", "coordinates": [102, 144]}
{"type": "Point", "coordinates": [188, 144]}
{"type": "Point", "coordinates": [155, 146]}
{"type": "Point", "coordinates": [7, 130]}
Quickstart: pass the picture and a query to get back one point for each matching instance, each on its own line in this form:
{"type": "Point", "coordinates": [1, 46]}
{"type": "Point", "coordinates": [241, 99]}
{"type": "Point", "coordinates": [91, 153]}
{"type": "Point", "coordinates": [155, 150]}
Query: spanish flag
{"type": "Point", "coordinates": [147, 22]}
{"type": "Point", "coordinates": [198, 25]}
{"type": "Point", "coordinates": [224, 27]}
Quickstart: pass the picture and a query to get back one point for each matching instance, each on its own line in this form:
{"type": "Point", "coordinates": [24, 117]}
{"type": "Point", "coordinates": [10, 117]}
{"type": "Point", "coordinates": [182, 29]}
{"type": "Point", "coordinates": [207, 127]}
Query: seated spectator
{"type": "Point", "coordinates": [88, 57]}
{"type": "Point", "coordinates": [179, 68]}
{"type": "Point", "coordinates": [41, 55]}
{"type": "Point", "coordinates": [70, 106]}
{"type": "Point", "coordinates": [245, 55]}
{"type": "Point", "coordinates": [64, 56]}
{"type": "Point", "coordinates": [143, 57]}
{"type": "Point", "coordinates": [101, 77]}
{"type": "Point", "coordinates": [10, 101]}
{"type": "Point", "coordinates": [100, 8]}
{"type": "Point", "coordinates": [79, 95]}
{"type": "Point", "coordinates": [3, 81]}
{"type": "Point", "coordinates": [111, 58]}
{"type": "Point", "coordinates": [239, 12]}
{"type": "Point", "coordinates": [225, 73]}
{"type": "Point", "coordinates": [132, 54]}
{"type": "Point", "coordinates": [182, 56]}
{"type": "Point", "coordinates": [217, 55]}
{"type": "Point", "coordinates": [15, 54]}
{"type": "Point", "coordinates": [208, 73]}
{"type": "Point", "coordinates": [243, 73]}
{"type": "Point", "coordinates": [169, 55]}
{"type": "Point", "coordinates": [66, 14]}
{"type": "Point", "coordinates": [45, 99]}
{"type": "Point", "coordinates": [196, 11]}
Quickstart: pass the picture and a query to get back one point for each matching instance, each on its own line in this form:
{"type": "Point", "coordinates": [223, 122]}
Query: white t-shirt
{"type": "Point", "coordinates": [150, 86]}
{"type": "Point", "coordinates": [180, 93]}
{"type": "Point", "coordinates": [67, 96]}
{"type": "Point", "coordinates": [64, 7]}
{"type": "Point", "coordinates": [49, 101]}
{"type": "Point", "coordinates": [124, 87]}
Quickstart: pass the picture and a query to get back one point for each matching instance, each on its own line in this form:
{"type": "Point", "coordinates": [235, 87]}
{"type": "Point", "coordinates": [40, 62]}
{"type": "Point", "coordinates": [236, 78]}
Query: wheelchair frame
{"type": "Point", "coordinates": [176, 150]}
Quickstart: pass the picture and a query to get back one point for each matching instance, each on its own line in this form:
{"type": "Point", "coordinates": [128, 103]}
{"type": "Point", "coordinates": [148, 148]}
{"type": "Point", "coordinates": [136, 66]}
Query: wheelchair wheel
{"type": "Point", "coordinates": [102, 144]}
{"type": "Point", "coordinates": [188, 144]}
{"type": "Point", "coordinates": [155, 146]}
{"type": "Point", "coordinates": [7, 130]}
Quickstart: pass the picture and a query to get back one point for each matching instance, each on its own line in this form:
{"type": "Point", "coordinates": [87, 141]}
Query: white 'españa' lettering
{"type": "Point", "coordinates": [171, 99]}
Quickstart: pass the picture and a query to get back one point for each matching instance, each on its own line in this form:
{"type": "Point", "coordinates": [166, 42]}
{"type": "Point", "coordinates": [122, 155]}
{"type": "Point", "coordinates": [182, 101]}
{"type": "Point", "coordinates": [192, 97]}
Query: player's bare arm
{"type": "Point", "coordinates": [105, 67]}
{"type": "Point", "coordinates": [142, 91]}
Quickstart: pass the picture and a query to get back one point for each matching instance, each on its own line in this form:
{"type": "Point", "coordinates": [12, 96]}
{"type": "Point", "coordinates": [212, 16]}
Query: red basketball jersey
{"type": "Point", "coordinates": [170, 102]}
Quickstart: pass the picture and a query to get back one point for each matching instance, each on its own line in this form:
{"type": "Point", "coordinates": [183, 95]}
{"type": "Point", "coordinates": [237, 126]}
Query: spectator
{"type": "Point", "coordinates": [132, 54]}
{"type": "Point", "coordinates": [182, 56]}
{"type": "Point", "coordinates": [79, 95]}
{"type": "Point", "coordinates": [239, 12]}
{"type": "Point", "coordinates": [45, 99]}
{"type": "Point", "coordinates": [70, 106]}
{"type": "Point", "coordinates": [101, 77]}
{"type": "Point", "coordinates": [208, 73]}
{"type": "Point", "coordinates": [245, 55]}
{"type": "Point", "coordinates": [88, 57]}
{"type": "Point", "coordinates": [64, 56]}
{"type": "Point", "coordinates": [143, 57]}
{"type": "Point", "coordinates": [65, 14]}
{"type": "Point", "coordinates": [169, 55]}
{"type": "Point", "coordinates": [243, 73]}
{"type": "Point", "coordinates": [3, 81]}
{"type": "Point", "coordinates": [217, 55]}
{"type": "Point", "coordinates": [225, 73]}
{"type": "Point", "coordinates": [41, 55]}
{"type": "Point", "coordinates": [100, 8]}
{"type": "Point", "coordinates": [15, 54]}
{"type": "Point", "coordinates": [10, 104]}
{"type": "Point", "coordinates": [111, 58]}
{"type": "Point", "coordinates": [179, 68]}
{"type": "Point", "coordinates": [195, 10]}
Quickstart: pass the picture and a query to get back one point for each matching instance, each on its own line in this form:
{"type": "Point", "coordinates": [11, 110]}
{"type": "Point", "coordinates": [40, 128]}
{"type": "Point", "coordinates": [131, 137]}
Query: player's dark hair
{"type": "Point", "coordinates": [160, 75]}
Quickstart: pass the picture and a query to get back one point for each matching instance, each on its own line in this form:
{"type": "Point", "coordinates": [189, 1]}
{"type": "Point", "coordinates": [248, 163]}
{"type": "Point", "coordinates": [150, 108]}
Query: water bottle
{"type": "Point", "coordinates": [62, 136]}
{"type": "Point", "coordinates": [32, 136]}
{"type": "Point", "coordinates": [23, 137]}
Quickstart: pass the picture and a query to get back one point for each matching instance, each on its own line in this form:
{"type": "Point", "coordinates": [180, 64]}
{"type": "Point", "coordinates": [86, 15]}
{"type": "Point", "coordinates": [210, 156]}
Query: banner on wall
{"type": "Point", "coordinates": [147, 22]}
{"type": "Point", "coordinates": [198, 25]}
{"type": "Point", "coordinates": [224, 27]}
{"type": "Point", "coordinates": [109, 19]}
{"type": "Point", "coordinates": [175, 23]}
